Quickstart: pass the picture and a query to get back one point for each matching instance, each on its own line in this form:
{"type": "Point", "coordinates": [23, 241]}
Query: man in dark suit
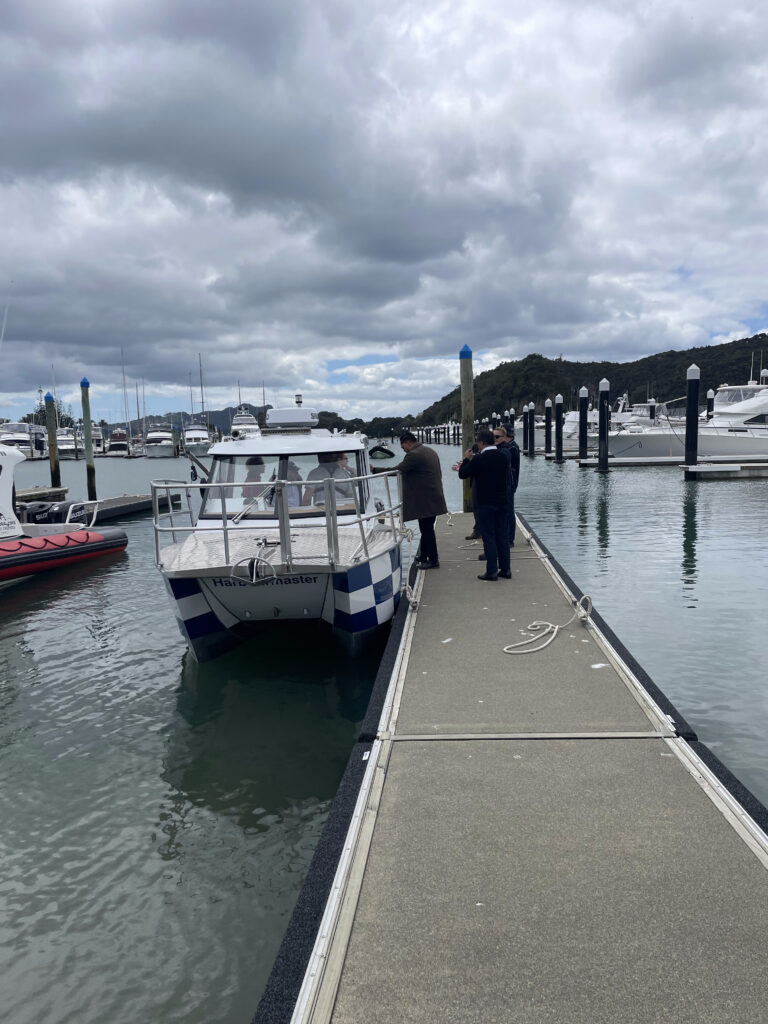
{"type": "Point", "coordinates": [423, 498]}
{"type": "Point", "coordinates": [489, 471]}
{"type": "Point", "coordinates": [508, 447]}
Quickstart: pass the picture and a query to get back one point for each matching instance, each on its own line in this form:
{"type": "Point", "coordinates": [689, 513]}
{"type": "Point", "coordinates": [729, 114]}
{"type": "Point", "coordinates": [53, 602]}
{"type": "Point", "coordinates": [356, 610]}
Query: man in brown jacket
{"type": "Point", "coordinates": [423, 497]}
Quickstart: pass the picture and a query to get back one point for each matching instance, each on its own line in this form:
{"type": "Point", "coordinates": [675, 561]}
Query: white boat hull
{"type": "Point", "coordinates": [159, 451]}
{"type": "Point", "coordinates": [197, 448]}
{"type": "Point", "coordinates": [654, 444]}
{"type": "Point", "coordinates": [215, 612]}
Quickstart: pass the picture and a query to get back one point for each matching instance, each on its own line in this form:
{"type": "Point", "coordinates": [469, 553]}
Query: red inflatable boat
{"type": "Point", "coordinates": [24, 556]}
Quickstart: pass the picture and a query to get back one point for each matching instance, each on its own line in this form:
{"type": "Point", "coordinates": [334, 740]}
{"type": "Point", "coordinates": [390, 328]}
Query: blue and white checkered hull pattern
{"type": "Point", "coordinates": [207, 632]}
{"type": "Point", "coordinates": [367, 595]}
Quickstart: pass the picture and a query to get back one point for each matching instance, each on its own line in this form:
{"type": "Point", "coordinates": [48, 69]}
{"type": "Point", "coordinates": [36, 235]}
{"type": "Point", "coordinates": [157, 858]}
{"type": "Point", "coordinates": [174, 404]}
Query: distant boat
{"type": "Point", "coordinates": [196, 438]}
{"type": "Point", "coordinates": [244, 425]}
{"type": "Point", "coordinates": [28, 438]}
{"type": "Point", "coordinates": [159, 442]}
{"type": "Point", "coordinates": [118, 443]}
{"type": "Point", "coordinates": [69, 444]}
{"type": "Point", "coordinates": [738, 429]}
{"type": "Point", "coordinates": [97, 439]}
{"type": "Point", "coordinates": [381, 451]}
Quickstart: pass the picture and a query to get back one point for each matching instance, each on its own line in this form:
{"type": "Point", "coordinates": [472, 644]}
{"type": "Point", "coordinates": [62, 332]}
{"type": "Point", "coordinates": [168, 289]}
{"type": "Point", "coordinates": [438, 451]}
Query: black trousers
{"type": "Point", "coordinates": [428, 546]}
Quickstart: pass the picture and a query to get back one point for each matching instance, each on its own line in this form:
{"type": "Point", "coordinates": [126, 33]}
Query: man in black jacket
{"type": "Point", "coordinates": [423, 497]}
{"type": "Point", "coordinates": [506, 444]}
{"type": "Point", "coordinates": [489, 471]}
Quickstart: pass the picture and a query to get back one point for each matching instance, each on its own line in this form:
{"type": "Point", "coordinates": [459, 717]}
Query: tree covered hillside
{"type": "Point", "coordinates": [536, 378]}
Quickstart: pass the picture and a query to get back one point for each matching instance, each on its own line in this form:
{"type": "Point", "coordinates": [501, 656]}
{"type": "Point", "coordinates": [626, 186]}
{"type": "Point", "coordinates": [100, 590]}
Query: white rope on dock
{"type": "Point", "coordinates": [547, 631]}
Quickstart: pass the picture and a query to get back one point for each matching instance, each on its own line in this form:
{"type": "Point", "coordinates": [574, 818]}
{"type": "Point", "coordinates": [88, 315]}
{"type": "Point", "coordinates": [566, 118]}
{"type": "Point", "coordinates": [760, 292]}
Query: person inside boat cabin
{"type": "Point", "coordinates": [342, 473]}
{"type": "Point", "coordinates": [252, 487]}
{"type": "Point", "coordinates": [288, 470]}
{"type": "Point", "coordinates": [329, 464]}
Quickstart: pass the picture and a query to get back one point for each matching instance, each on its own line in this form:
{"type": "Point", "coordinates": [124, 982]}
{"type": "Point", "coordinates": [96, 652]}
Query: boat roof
{"type": "Point", "coordinates": [291, 441]}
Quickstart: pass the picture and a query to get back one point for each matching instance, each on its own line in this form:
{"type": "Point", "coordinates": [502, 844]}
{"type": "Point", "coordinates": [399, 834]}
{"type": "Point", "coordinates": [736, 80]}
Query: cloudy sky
{"type": "Point", "coordinates": [334, 196]}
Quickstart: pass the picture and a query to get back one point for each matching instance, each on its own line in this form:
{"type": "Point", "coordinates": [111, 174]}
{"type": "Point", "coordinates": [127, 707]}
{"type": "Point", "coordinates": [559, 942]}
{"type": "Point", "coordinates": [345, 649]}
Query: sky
{"type": "Point", "coordinates": [333, 197]}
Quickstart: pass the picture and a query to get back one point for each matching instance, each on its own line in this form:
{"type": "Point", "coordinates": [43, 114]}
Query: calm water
{"type": "Point", "coordinates": [158, 816]}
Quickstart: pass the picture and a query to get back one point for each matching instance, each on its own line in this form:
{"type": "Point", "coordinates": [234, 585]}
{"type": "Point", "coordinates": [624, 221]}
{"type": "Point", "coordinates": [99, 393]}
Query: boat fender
{"type": "Point", "coordinates": [193, 474]}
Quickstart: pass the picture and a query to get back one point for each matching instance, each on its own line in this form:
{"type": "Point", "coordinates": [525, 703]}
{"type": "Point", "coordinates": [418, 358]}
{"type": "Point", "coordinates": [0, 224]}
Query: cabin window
{"type": "Point", "coordinates": [249, 484]}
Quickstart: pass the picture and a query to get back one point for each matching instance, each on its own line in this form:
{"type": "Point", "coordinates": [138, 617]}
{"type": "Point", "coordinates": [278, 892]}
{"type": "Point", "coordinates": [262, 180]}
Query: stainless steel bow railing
{"type": "Point", "coordinates": [174, 525]}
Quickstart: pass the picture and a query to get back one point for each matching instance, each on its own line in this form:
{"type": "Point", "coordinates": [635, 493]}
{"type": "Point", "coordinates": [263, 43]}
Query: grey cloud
{"type": "Point", "coordinates": [690, 59]}
{"type": "Point", "coordinates": [275, 183]}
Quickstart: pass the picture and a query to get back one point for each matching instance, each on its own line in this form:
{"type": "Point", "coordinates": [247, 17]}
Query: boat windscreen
{"type": "Point", "coordinates": [248, 484]}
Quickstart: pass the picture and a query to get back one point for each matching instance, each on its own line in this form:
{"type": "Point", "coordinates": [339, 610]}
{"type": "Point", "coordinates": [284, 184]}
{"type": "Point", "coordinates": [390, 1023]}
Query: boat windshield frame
{"type": "Point", "coordinates": [246, 483]}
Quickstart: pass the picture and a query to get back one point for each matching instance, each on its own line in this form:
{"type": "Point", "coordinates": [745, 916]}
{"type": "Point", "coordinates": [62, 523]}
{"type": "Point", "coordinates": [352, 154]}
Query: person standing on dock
{"type": "Point", "coordinates": [490, 471]}
{"type": "Point", "coordinates": [508, 447]}
{"type": "Point", "coordinates": [423, 497]}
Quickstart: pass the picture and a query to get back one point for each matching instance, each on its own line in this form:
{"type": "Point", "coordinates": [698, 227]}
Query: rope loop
{"type": "Point", "coordinates": [547, 631]}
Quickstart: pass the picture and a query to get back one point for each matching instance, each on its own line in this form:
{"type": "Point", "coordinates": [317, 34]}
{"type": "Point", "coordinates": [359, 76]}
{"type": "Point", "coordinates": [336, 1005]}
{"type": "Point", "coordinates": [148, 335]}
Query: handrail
{"type": "Point", "coordinates": [165, 524]}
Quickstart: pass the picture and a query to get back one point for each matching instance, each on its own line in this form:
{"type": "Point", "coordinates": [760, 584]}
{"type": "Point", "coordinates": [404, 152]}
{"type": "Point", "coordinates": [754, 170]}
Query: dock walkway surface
{"type": "Point", "coordinates": [534, 840]}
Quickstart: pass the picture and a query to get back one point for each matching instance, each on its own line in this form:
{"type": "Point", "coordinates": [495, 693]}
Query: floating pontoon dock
{"type": "Point", "coordinates": [526, 838]}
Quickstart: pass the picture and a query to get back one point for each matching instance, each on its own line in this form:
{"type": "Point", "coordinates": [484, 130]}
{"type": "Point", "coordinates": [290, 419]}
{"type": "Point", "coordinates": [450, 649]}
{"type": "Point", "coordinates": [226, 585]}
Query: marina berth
{"type": "Point", "coordinates": [737, 429]}
{"type": "Point", "coordinates": [289, 524]}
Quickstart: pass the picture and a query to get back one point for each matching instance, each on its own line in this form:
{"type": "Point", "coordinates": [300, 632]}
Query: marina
{"type": "Point", "coordinates": [197, 793]}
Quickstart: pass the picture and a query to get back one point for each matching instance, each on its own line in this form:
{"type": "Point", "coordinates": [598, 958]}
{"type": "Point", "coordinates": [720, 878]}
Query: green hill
{"type": "Point", "coordinates": [536, 378]}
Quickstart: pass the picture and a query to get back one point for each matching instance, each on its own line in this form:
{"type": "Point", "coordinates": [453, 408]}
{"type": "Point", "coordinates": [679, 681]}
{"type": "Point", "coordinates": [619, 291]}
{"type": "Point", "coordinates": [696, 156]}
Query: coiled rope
{"type": "Point", "coordinates": [547, 631]}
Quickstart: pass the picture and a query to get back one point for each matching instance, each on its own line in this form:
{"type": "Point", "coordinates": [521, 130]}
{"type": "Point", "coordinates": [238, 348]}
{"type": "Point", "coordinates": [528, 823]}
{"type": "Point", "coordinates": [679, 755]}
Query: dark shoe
{"type": "Point", "coordinates": [472, 536]}
{"type": "Point", "coordinates": [506, 575]}
{"type": "Point", "coordinates": [427, 565]}
{"type": "Point", "coordinates": [491, 578]}
{"type": "Point", "coordinates": [481, 558]}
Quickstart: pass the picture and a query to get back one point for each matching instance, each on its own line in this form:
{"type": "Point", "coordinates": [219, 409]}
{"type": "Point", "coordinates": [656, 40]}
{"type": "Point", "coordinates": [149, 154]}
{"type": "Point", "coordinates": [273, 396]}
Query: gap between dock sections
{"type": "Point", "coordinates": [548, 786]}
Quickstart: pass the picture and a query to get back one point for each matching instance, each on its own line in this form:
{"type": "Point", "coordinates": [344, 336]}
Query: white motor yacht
{"type": "Point", "coordinates": [97, 439]}
{"type": "Point", "coordinates": [196, 438]}
{"type": "Point", "coordinates": [69, 443]}
{"type": "Point", "coordinates": [738, 428]}
{"type": "Point", "coordinates": [624, 416]}
{"type": "Point", "coordinates": [244, 425]}
{"type": "Point", "coordinates": [288, 527]}
{"type": "Point", "coordinates": [30, 439]}
{"type": "Point", "coordinates": [159, 442]}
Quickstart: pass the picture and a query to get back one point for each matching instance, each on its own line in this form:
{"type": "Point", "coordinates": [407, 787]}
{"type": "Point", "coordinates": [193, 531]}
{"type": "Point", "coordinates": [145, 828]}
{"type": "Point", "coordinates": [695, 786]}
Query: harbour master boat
{"type": "Point", "coordinates": [288, 527]}
{"type": "Point", "coordinates": [27, 549]}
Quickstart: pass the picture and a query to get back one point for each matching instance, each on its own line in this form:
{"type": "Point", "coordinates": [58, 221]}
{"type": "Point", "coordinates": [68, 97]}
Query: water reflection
{"type": "Point", "coordinates": [265, 728]}
{"type": "Point", "coordinates": [689, 570]}
{"type": "Point", "coordinates": [582, 509]}
{"type": "Point", "coordinates": [603, 534]}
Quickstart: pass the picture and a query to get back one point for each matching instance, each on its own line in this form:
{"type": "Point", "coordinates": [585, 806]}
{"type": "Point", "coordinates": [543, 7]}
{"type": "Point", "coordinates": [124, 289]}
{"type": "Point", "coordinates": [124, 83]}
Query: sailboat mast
{"type": "Point", "coordinates": [125, 397]}
{"type": "Point", "coordinates": [202, 394]}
